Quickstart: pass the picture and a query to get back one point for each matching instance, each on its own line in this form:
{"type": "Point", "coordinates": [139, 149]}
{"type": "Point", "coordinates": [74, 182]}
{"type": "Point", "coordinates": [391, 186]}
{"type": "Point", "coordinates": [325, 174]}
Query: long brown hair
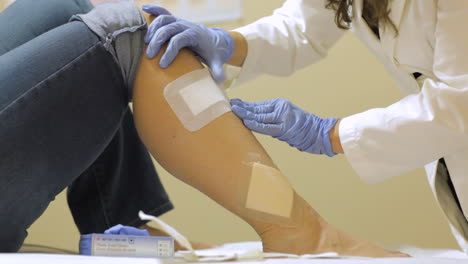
{"type": "Point", "coordinates": [374, 12]}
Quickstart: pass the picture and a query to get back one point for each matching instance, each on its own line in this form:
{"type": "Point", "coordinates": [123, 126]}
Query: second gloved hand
{"type": "Point", "coordinates": [214, 46]}
{"type": "Point", "coordinates": [126, 230]}
{"type": "Point", "coordinates": [281, 119]}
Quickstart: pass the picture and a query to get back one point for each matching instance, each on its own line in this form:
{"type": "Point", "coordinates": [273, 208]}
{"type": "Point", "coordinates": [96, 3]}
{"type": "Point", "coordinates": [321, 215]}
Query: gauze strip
{"type": "Point", "coordinates": [269, 191]}
{"type": "Point", "coordinates": [196, 99]}
{"type": "Point", "coordinates": [161, 225]}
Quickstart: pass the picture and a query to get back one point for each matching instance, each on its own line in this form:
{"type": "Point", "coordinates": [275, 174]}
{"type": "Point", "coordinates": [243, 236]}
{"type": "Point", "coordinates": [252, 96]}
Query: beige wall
{"type": "Point", "coordinates": [5, 3]}
{"type": "Point", "coordinates": [350, 80]}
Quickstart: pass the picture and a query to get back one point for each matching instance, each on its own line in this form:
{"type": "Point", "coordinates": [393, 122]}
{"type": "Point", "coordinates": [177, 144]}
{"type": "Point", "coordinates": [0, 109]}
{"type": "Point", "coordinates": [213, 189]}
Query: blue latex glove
{"type": "Point", "coordinates": [214, 46]}
{"type": "Point", "coordinates": [281, 119]}
{"type": "Point", "coordinates": [126, 230]}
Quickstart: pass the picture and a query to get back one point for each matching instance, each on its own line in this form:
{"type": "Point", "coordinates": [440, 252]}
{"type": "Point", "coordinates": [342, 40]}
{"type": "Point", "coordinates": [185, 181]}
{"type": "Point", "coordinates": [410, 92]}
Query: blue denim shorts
{"type": "Point", "coordinates": [121, 27]}
{"type": "Point", "coordinates": [65, 120]}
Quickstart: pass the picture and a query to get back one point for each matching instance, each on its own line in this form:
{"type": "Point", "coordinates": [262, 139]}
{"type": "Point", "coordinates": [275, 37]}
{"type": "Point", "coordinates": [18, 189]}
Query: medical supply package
{"type": "Point", "coordinates": [127, 246]}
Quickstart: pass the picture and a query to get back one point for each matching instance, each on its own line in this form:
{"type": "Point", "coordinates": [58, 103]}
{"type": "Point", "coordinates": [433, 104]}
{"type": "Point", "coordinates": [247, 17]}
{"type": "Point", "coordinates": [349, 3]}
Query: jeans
{"type": "Point", "coordinates": [65, 122]}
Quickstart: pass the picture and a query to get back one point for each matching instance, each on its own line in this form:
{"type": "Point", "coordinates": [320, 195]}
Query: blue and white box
{"type": "Point", "coordinates": [127, 246]}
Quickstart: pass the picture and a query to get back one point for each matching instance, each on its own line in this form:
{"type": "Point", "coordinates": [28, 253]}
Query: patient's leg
{"type": "Point", "coordinates": [218, 160]}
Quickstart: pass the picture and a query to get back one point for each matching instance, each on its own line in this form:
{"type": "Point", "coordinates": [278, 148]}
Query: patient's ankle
{"type": "Point", "coordinates": [308, 233]}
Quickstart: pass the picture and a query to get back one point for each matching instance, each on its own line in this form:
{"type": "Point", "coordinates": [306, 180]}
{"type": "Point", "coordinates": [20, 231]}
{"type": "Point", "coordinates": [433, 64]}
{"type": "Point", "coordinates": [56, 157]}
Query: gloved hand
{"type": "Point", "coordinates": [281, 119]}
{"type": "Point", "coordinates": [214, 46]}
{"type": "Point", "coordinates": [126, 230]}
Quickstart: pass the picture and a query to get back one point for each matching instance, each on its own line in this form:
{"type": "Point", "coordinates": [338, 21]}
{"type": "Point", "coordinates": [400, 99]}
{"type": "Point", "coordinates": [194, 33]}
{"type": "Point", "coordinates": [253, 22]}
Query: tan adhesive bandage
{"type": "Point", "coordinates": [251, 158]}
{"type": "Point", "coordinates": [196, 99]}
{"type": "Point", "coordinates": [269, 191]}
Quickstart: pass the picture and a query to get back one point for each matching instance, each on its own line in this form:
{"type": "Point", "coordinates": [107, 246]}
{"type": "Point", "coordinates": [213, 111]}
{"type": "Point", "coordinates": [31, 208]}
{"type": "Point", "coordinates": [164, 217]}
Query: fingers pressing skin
{"type": "Point", "coordinates": [162, 35]}
{"type": "Point", "coordinates": [155, 10]}
{"type": "Point", "coordinates": [217, 71]}
{"type": "Point", "coordinates": [259, 117]}
{"type": "Point", "coordinates": [164, 18]}
{"type": "Point", "coordinates": [261, 107]}
{"type": "Point", "coordinates": [213, 46]}
{"type": "Point", "coordinates": [159, 22]}
{"type": "Point", "coordinates": [176, 43]}
{"type": "Point", "coordinates": [273, 130]}
{"type": "Point", "coordinates": [246, 114]}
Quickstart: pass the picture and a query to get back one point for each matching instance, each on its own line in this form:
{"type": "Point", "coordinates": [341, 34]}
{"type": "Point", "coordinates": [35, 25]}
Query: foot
{"type": "Point", "coordinates": [309, 233]}
{"type": "Point", "coordinates": [195, 244]}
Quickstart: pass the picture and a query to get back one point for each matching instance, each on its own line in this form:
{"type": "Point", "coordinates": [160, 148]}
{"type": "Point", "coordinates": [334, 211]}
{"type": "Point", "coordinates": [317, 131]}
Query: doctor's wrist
{"type": "Point", "coordinates": [240, 49]}
{"type": "Point", "coordinates": [335, 141]}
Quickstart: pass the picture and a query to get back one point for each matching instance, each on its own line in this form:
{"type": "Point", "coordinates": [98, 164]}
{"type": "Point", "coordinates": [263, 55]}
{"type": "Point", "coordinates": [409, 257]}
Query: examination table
{"type": "Point", "coordinates": [420, 256]}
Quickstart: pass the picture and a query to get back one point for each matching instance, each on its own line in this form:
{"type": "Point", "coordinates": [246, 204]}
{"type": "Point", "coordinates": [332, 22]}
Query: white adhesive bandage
{"type": "Point", "coordinates": [269, 191]}
{"type": "Point", "coordinates": [196, 99]}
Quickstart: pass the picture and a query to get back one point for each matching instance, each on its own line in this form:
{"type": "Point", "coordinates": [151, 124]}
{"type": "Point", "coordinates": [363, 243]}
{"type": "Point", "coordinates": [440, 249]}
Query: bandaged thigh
{"type": "Point", "coordinates": [196, 99]}
{"type": "Point", "coordinates": [262, 192]}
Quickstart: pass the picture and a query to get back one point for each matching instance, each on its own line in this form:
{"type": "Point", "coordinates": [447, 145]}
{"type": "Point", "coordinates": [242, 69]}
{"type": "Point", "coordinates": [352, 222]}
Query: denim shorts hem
{"type": "Point", "coordinates": [121, 28]}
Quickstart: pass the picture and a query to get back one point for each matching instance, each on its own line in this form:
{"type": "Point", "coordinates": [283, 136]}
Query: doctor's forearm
{"type": "Point", "coordinates": [240, 50]}
{"type": "Point", "coordinates": [335, 138]}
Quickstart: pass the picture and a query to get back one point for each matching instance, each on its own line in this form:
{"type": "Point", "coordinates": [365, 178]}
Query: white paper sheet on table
{"type": "Point", "coordinates": [24, 258]}
{"type": "Point", "coordinates": [420, 256]}
{"type": "Point", "coordinates": [76, 259]}
{"type": "Point", "coordinates": [246, 251]}
{"type": "Point", "coordinates": [252, 251]}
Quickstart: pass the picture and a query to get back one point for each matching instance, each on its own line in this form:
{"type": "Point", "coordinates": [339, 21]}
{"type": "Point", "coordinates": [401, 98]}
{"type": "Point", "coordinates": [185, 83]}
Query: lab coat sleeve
{"type": "Point", "coordinates": [296, 35]}
{"type": "Point", "coordinates": [423, 127]}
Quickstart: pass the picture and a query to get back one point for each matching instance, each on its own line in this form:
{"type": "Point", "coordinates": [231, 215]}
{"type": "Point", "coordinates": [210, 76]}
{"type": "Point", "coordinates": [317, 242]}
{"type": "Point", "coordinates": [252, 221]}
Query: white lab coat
{"type": "Point", "coordinates": [429, 123]}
